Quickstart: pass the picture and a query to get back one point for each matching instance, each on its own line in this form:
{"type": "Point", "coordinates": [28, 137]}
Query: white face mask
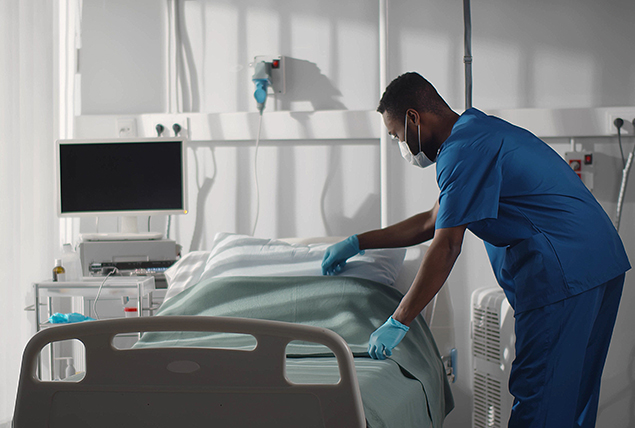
{"type": "Point", "coordinates": [420, 159]}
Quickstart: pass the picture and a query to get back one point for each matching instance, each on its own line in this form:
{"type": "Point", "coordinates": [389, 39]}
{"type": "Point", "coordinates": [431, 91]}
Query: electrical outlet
{"type": "Point", "coordinates": [126, 127]}
{"type": "Point", "coordinates": [627, 117]}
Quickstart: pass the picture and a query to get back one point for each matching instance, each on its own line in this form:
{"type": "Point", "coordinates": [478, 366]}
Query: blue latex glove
{"type": "Point", "coordinates": [58, 318]}
{"type": "Point", "coordinates": [385, 338]}
{"type": "Point", "coordinates": [337, 254]}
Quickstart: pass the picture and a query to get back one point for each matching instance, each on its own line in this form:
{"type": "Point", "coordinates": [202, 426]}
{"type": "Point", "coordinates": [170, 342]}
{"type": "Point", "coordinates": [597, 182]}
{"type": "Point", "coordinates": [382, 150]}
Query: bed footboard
{"type": "Point", "coordinates": [187, 387]}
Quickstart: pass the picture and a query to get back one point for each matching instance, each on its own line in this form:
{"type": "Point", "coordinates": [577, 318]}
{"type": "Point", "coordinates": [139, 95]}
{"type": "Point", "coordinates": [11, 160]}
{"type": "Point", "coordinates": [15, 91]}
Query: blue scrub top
{"type": "Point", "coordinates": [546, 235]}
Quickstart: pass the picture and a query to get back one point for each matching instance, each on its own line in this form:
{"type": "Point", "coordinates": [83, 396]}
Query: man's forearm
{"type": "Point", "coordinates": [434, 271]}
{"type": "Point", "coordinates": [412, 231]}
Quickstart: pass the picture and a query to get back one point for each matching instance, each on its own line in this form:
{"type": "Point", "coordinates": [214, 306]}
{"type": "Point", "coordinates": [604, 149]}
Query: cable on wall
{"type": "Point", "coordinates": [253, 231]}
{"type": "Point", "coordinates": [101, 286]}
{"type": "Point", "coordinates": [182, 78]}
{"type": "Point", "coordinates": [188, 75]}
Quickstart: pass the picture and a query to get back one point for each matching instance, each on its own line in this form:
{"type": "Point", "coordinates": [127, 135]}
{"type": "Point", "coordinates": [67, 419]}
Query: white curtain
{"type": "Point", "coordinates": [29, 229]}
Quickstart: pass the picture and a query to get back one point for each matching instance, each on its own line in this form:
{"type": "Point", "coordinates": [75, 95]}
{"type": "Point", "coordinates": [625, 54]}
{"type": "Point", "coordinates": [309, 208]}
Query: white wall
{"type": "Point", "coordinates": [548, 54]}
{"type": "Point", "coordinates": [122, 60]}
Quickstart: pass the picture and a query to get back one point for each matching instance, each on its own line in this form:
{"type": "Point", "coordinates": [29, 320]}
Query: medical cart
{"type": "Point", "coordinates": [135, 289]}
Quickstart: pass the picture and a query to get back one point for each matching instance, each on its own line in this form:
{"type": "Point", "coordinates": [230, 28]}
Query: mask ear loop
{"type": "Point", "coordinates": [419, 132]}
{"type": "Point", "coordinates": [405, 130]}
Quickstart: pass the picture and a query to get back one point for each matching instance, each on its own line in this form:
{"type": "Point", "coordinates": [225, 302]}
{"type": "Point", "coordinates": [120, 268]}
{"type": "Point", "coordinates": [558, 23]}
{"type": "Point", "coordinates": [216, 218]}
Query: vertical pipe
{"type": "Point", "coordinates": [168, 50]}
{"type": "Point", "coordinates": [38, 322]}
{"type": "Point", "coordinates": [467, 57]}
{"type": "Point", "coordinates": [172, 49]}
{"type": "Point", "coordinates": [383, 136]}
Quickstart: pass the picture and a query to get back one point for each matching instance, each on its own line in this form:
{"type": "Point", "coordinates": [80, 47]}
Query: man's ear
{"type": "Point", "coordinates": [414, 116]}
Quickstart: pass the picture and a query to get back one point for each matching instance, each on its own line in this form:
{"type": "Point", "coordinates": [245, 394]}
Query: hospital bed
{"type": "Point", "coordinates": [251, 334]}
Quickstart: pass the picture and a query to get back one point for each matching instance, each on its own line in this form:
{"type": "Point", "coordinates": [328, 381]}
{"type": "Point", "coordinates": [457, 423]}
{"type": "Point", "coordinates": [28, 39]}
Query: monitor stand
{"type": "Point", "coordinates": [129, 232]}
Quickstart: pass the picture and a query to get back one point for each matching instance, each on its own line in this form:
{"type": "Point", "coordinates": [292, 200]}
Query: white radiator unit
{"type": "Point", "coordinates": [492, 355]}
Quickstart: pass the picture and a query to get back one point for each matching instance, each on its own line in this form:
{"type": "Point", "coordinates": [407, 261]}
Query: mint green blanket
{"type": "Point", "coordinates": [351, 307]}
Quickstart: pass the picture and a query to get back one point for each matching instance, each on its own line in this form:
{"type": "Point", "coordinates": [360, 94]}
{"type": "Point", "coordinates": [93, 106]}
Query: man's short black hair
{"type": "Point", "coordinates": [411, 90]}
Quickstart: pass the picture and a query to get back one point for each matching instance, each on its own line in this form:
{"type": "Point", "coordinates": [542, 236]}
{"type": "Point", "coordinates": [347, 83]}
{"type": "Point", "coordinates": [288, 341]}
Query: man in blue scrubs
{"type": "Point", "coordinates": [553, 249]}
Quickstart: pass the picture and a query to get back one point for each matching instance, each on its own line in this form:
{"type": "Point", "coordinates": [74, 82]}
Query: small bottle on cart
{"type": "Point", "coordinates": [130, 311]}
{"type": "Point", "coordinates": [59, 273]}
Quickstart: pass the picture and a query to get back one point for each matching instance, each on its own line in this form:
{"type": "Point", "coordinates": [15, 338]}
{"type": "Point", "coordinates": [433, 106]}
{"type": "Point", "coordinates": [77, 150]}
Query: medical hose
{"type": "Point", "coordinates": [253, 231]}
{"type": "Point", "coordinates": [620, 199]}
{"type": "Point", "coordinates": [627, 167]}
{"type": "Point", "coordinates": [619, 140]}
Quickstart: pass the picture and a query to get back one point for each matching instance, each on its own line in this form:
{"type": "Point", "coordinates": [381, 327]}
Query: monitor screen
{"type": "Point", "coordinates": [121, 177]}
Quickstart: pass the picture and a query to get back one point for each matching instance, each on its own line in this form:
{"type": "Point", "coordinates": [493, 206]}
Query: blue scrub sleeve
{"type": "Point", "coordinates": [470, 183]}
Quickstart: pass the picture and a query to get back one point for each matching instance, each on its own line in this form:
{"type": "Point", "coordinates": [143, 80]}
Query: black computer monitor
{"type": "Point", "coordinates": [126, 178]}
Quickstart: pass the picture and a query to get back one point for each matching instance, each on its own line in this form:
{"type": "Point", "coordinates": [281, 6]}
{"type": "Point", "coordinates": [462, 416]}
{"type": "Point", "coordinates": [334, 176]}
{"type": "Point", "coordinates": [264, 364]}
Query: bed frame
{"type": "Point", "coordinates": [189, 387]}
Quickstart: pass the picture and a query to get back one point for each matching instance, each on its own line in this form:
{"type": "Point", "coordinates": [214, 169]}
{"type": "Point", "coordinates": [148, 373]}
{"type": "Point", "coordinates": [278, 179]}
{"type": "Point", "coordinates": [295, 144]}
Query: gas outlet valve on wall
{"type": "Point", "coordinates": [277, 72]}
{"type": "Point", "coordinates": [165, 125]}
{"type": "Point", "coordinates": [582, 164]}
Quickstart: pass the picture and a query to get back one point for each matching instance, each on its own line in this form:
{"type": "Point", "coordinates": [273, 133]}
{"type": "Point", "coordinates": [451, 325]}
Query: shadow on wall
{"type": "Point", "coordinates": [203, 192]}
{"type": "Point", "coordinates": [365, 218]}
{"type": "Point", "coordinates": [332, 200]}
{"type": "Point", "coordinates": [305, 82]}
{"type": "Point", "coordinates": [335, 153]}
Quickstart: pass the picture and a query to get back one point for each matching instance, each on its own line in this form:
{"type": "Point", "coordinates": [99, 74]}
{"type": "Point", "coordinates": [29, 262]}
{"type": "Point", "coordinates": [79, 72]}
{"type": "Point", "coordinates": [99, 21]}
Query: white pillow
{"type": "Point", "coordinates": [240, 255]}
